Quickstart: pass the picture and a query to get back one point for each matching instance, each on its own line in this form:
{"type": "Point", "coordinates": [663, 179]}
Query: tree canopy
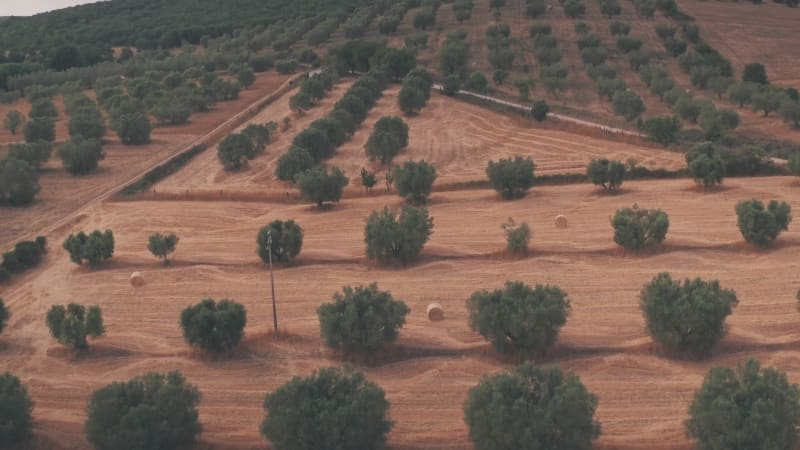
{"type": "Point", "coordinates": [153, 411]}
{"type": "Point", "coordinates": [214, 326]}
{"type": "Point", "coordinates": [636, 228]}
{"type": "Point", "coordinates": [393, 237]}
{"type": "Point", "coordinates": [518, 317]}
{"type": "Point", "coordinates": [15, 414]}
{"type": "Point", "coordinates": [745, 408]}
{"type": "Point", "coordinates": [361, 319]}
{"type": "Point", "coordinates": [331, 409]}
{"type": "Point", "coordinates": [761, 225]}
{"type": "Point", "coordinates": [511, 177]}
{"type": "Point", "coordinates": [287, 240]}
{"type": "Point", "coordinates": [71, 325]}
{"type": "Point", "coordinates": [531, 408]}
{"type": "Point", "coordinates": [686, 316]}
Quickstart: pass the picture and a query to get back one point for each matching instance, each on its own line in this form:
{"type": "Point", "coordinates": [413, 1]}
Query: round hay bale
{"type": "Point", "coordinates": [435, 312]}
{"type": "Point", "coordinates": [137, 280]}
{"type": "Point", "coordinates": [561, 221]}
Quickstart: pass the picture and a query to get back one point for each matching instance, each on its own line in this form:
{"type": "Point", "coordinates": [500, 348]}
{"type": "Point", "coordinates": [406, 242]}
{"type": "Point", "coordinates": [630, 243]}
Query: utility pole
{"type": "Point", "coordinates": [272, 282]}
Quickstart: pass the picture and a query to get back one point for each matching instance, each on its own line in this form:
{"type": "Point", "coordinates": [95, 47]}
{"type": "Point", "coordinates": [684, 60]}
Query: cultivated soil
{"type": "Point", "coordinates": [63, 194]}
{"type": "Point", "coordinates": [643, 395]}
{"type": "Point", "coordinates": [456, 137]}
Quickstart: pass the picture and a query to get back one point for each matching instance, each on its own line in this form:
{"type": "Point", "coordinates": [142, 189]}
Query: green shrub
{"type": "Point", "coordinates": [235, 150]}
{"type": "Point", "coordinates": [40, 129]}
{"type": "Point", "coordinates": [4, 315]}
{"type": "Point", "coordinates": [319, 186]}
{"type": "Point", "coordinates": [331, 409]}
{"type": "Point", "coordinates": [518, 317]}
{"type": "Point", "coordinates": [161, 245]}
{"type": "Point", "coordinates": [361, 319]}
{"type": "Point", "coordinates": [518, 237]}
{"type": "Point", "coordinates": [759, 225]}
{"type": "Point", "coordinates": [15, 414]}
{"type": "Point", "coordinates": [749, 407]}
{"type": "Point", "coordinates": [686, 316]}
{"type": "Point", "coordinates": [636, 228]}
{"type": "Point", "coordinates": [292, 163]}
{"type": "Point", "coordinates": [214, 326]}
{"type": "Point", "coordinates": [92, 248]}
{"type": "Point", "coordinates": [36, 154]}
{"type": "Point", "coordinates": [71, 325]}
{"type": "Point", "coordinates": [705, 164]}
{"type": "Point", "coordinates": [287, 240]}
{"type": "Point", "coordinates": [389, 237]}
{"type": "Point", "coordinates": [607, 174]}
{"type": "Point", "coordinates": [530, 407]}
{"type": "Point", "coordinates": [511, 178]}
{"type": "Point", "coordinates": [80, 155]}
{"type": "Point", "coordinates": [154, 411]}
{"type": "Point", "coordinates": [540, 110]}
{"type": "Point", "coordinates": [414, 180]}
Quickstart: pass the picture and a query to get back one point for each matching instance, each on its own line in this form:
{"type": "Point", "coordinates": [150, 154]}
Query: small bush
{"type": "Point", "coordinates": [92, 248]}
{"type": "Point", "coordinates": [287, 240]}
{"type": "Point", "coordinates": [519, 318]}
{"type": "Point", "coordinates": [540, 110]}
{"type": "Point", "coordinates": [761, 226]}
{"type": "Point", "coordinates": [686, 316]}
{"type": "Point", "coordinates": [15, 414]}
{"type": "Point", "coordinates": [530, 407]}
{"type": "Point", "coordinates": [154, 411]}
{"type": "Point", "coordinates": [636, 228]}
{"type": "Point", "coordinates": [607, 174]}
{"type": "Point", "coordinates": [361, 319]}
{"type": "Point", "coordinates": [320, 186]}
{"type": "Point", "coordinates": [749, 407]}
{"type": "Point", "coordinates": [71, 325]}
{"type": "Point", "coordinates": [518, 237]}
{"type": "Point", "coordinates": [389, 237]}
{"type": "Point", "coordinates": [4, 315]}
{"type": "Point", "coordinates": [331, 409]}
{"type": "Point", "coordinates": [161, 245]}
{"type": "Point", "coordinates": [414, 180]}
{"type": "Point", "coordinates": [212, 326]}
{"type": "Point", "coordinates": [511, 178]}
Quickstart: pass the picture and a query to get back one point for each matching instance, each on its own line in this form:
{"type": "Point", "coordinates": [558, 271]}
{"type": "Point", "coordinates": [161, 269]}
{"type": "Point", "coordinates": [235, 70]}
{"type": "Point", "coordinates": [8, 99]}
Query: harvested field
{"type": "Point", "coordinates": [643, 395]}
{"type": "Point", "coordinates": [746, 33]}
{"type": "Point", "coordinates": [62, 194]}
{"type": "Point", "coordinates": [456, 137]}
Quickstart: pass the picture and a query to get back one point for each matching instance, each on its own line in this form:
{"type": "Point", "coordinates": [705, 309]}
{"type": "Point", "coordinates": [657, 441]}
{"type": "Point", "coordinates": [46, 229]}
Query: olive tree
{"type": "Point", "coordinates": [292, 163]}
{"type": "Point", "coordinates": [759, 225]}
{"type": "Point", "coordinates": [518, 317]}
{"type": "Point", "coordinates": [36, 154]}
{"type": "Point", "coordinates": [320, 186]}
{"type": "Point", "coordinates": [15, 413]}
{"type": "Point", "coordinates": [636, 228]}
{"type": "Point", "coordinates": [92, 248]}
{"type": "Point", "coordinates": [235, 150]}
{"type": "Point", "coordinates": [14, 119]}
{"type": "Point", "coordinates": [161, 245]}
{"type": "Point", "coordinates": [540, 110]}
{"type": "Point", "coordinates": [214, 326]}
{"type": "Point", "coordinates": [411, 100]}
{"type": "Point", "coordinates": [607, 174]}
{"type": "Point", "coordinates": [389, 136]}
{"type": "Point", "coordinates": [706, 165]}
{"type": "Point", "coordinates": [40, 129]}
{"type": "Point", "coordinates": [686, 316]}
{"type": "Point", "coordinates": [19, 182]}
{"type": "Point", "coordinates": [87, 122]}
{"type": "Point", "coordinates": [331, 409]}
{"type": "Point", "coordinates": [511, 178]}
{"type": "Point", "coordinates": [390, 237]}
{"type": "Point", "coordinates": [80, 155]}
{"type": "Point", "coordinates": [287, 240]}
{"type": "Point", "coordinates": [745, 408]}
{"type": "Point", "coordinates": [529, 408]}
{"type": "Point", "coordinates": [414, 180]}
{"type": "Point", "coordinates": [153, 411]}
{"type": "Point", "coordinates": [71, 325]}
{"type": "Point", "coordinates": [361, 319]}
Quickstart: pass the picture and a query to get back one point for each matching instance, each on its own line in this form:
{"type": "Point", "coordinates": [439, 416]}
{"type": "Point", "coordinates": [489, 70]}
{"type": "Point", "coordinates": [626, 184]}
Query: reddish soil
{"type": "Point", "coordinates": [62, 195]}
{"type": "Point", "coordinates": [456, 137]}
{"type": "Point", "coordinates": [643, 395]}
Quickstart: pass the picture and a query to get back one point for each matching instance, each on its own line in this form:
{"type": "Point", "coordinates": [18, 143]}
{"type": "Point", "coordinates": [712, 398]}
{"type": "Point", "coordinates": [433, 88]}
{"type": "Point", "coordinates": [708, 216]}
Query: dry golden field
{"type": "Point", "coordinates": [643, 394]}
